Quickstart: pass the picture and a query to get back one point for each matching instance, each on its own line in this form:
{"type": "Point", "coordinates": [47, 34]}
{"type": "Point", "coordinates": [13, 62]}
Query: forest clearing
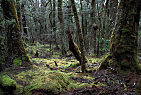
{"type": "Point", "coordinates": [70, 47]}
{"type": "Point", "coordinates": [43, 77]}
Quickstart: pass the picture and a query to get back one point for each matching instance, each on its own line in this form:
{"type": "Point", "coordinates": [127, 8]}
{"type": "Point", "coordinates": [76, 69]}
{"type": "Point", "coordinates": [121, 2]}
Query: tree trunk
{"type": "Point", "coordinates": [24, 23]}
{"type": "Point", "coordinates": [18, 7]}
{"type": "Point", "coordinates": [54, 24]}
{"type": "Point", "coordinates": [2, 52]}
{"type": "Point", "coordinates": [124, 39]}
{"type": "Point", "coordinates": [81, 39]}
{"type": "Point", "coordinates": [14, 41]}
{"type": "Point", "coordinates": [61, 19]}
{"type": "Point", "coordinates": [111, 10]}
{"type": "Point", "coordinates": [93, 23]}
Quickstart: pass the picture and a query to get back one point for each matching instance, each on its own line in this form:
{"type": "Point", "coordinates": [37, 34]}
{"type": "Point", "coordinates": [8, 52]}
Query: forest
{"type": "Point", "coordinates": [70, 47]}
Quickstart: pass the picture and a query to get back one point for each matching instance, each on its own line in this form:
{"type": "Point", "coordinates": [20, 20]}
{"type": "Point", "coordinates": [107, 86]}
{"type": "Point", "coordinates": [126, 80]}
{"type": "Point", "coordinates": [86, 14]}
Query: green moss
{"type": "Point", "coordinates": [125, 30]}
{"type": "Point", "coordinates": [17, 62]}
{"type": "Point", "coordinates": [80, 85]}
{"type": "Point", "coordinates": [7, 81]}
{"type": "Point", "coordinates": [73, 65]}
{"type": "Point", "coordinates": [50, 81]}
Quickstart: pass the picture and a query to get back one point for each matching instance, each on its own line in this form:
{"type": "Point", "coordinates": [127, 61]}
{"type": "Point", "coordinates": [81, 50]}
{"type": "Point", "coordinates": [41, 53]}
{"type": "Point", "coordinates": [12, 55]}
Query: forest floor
{"type": "Point", "coordinates": [61, 75]}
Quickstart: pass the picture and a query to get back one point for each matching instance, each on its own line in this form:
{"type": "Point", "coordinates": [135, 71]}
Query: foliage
{"type": "Point", "coordinates": [106, 45]}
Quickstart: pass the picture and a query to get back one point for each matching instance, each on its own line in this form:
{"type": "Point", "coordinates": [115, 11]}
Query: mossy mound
{"type": "Point", "coordinates": [7, 84]}
{"type": "Point", "coordinates": [52, 82]}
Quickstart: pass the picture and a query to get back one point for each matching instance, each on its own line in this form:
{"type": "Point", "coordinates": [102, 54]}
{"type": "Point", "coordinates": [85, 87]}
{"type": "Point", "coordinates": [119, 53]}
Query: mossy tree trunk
{"type": "Point", "coordinates": [18, 7]}
{"type": "Point", "coordinates": [80, 35]}
{"type": "Point", "coordinates": [14, 40]}
{"type": "Point", "coordinates": [61, 19]}
{"type": "Point", "coordinates": [111, 10]}
{"type": "Point", "coordinates": [124, 38]}
{"type": "Point", "coordinates": [50, 19]}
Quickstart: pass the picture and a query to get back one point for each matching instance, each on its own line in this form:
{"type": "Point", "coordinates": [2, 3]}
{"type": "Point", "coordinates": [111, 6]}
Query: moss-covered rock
{"type": "Point", "coordinates": [7, 84]}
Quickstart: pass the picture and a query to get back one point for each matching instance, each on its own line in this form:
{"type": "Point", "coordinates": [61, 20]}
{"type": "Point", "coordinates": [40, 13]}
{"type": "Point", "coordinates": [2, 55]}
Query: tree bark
{"type": "Point", "coordinates": [80, 35]}
{"type": "Point", "coordinates": [111, 8]}
{"type": "Point", "coordinates": [24, 22]}
{"type": "Point", "coordinates": [93, 23]}
{"type": "Point", "coordinates": [14, 42]}
{"type": "Point", "coordinates": [124, 39]}
{"type": "Point", "coordinates": [61, 19]}
{"type": "Point", "coordinates": [18, 7]}
{"type": "Point", "coordinates": [54, 24]}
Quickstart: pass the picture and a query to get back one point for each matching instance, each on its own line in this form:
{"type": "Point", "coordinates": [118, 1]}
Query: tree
{"type": "Point", "coordinates": [111, 10]}
{"type": "Point", "coordinates": [54, 24]}
{"type": "Point", "coordinates": [61, 19]}
{"type": "Point", "coordinates": [14, 40]}
{"type": "Point", "coordinates": [2, 52]}
{"type": "Point", "coordinates": [24, 21]}
{"type": "Point", "coordinates": [124, 38]}
{"type": "Point", "coordinates": [94, 25]}
{"type": "Point", "coordinates": [80, 35]}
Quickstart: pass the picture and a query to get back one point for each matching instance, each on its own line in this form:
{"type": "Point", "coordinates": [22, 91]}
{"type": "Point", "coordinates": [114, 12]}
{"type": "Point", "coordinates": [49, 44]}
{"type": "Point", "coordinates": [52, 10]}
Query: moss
{"type": "Point", "coordinates": [53, 82]}
{"type": "Point", "coordinates": [81, 85]}
{"type": "Point", "coordinates": [6, 81]}
{"type": "Point", "coordinates": [14, 41]}
{"type": "Point", "coordinates": [50, 81]}
{"type": "Point", "coordinates": [112, 63]}
{"type": "Point", "coordinates": [17, 62]}
{"type": "Point", "coordinates": [73, 65]}
{"type": "Point", "coordinates": [125, 30]}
